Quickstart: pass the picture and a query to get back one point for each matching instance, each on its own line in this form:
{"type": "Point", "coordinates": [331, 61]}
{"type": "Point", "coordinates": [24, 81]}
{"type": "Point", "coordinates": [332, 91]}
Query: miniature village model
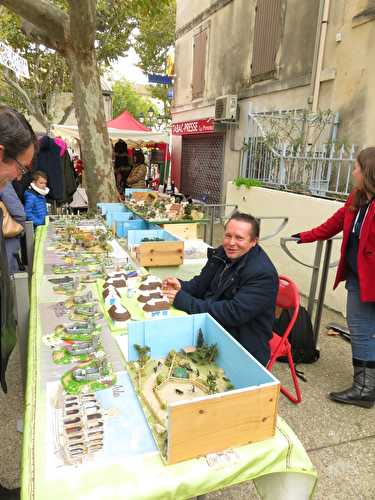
{"type": "Point", "coordinates": [77, 239]}
{"type": "Point", "coordinates": [155, 206]}
{"type": "Point", "coordinates": [119, 288]}
{"type": "Point", "coordinates": [80, 427]}
{"type": "Point", "coordinates": [200, 390]}
{"type": "Point", "coordinates": [184, 375]}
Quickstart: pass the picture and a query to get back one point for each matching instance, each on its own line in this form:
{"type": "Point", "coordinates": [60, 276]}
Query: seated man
{"type": "Point", "coordinates": [237, 286]}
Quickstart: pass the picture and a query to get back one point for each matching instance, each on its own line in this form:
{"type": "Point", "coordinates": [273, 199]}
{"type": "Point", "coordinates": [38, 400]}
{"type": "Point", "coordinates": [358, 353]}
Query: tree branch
{"type": "Point", "coordinates": [67, 112]}
{"type": "Point", "coordinates": [32, 109]}
{"type": "Point", "coordinates": [47, 18]}
{"type": "Point", "coordinates": [41, 37]}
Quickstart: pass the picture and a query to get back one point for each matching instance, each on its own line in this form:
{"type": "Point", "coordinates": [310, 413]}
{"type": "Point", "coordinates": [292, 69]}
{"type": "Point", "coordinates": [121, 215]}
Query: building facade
{"type": "Point", "coordinates": [273, 55]}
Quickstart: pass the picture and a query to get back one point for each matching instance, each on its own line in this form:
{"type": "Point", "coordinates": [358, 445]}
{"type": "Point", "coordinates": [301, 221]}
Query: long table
{"type": "Point", "coordinates": [130, 466]}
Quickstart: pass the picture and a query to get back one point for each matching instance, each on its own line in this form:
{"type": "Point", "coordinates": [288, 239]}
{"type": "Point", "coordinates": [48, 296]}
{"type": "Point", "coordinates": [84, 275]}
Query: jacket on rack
{"type": "Point", "coordinates": [49, 161]}
{"type": "Point", "coordinates": [241, 296]}
{"type": "Point", "coordinates": [343, 220]}
{"type": "Point", "coordinates": [70, 183]}
{"type": "Point", "coordinates": [7, 320]}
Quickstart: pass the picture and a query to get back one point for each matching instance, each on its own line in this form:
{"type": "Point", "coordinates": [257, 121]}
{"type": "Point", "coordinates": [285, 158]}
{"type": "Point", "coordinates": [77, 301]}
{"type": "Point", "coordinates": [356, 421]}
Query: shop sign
{"type": "Point", "coordinates": [205, 126]}
{"type": "Point", "coordinates": [13, 61]}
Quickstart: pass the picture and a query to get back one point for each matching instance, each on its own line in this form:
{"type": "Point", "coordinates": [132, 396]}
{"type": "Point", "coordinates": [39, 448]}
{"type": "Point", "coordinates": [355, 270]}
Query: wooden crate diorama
{"type": "Point", "coordinates": [122, 224]}
{"type": "Point", "coordinates": [178, 393]}
{"type": "Point", "coordinates": [156, 247]}
{"type": "Point", "coordinates": [118, 215]}
{"type": "Point", "coordinates": [104, 208]}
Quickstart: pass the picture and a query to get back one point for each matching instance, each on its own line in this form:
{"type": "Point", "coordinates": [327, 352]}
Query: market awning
{"type": "Point", "coordinates": [133, 138]}
{"type": "Point", "coordinates": [126, 121]}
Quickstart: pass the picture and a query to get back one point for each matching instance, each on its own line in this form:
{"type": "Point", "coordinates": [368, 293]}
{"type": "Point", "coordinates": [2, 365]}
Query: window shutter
{"type": "Point", "coordinates": [267, 31]}
{"type": "Point", "coordinates": [199, 63]}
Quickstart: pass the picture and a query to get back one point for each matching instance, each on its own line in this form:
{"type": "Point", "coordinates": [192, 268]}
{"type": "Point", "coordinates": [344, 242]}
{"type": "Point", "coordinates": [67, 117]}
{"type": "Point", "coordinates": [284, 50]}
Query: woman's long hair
{"type": "Point", "coordinates": [366, 160]}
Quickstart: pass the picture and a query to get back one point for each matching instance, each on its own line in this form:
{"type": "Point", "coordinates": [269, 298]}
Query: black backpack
{"type": "Point", "coordinates": [301, 337]}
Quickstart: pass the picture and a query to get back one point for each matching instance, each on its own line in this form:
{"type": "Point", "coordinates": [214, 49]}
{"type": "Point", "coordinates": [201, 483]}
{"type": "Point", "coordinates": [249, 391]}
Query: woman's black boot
{"type": "Point", "coordinates": [362, 392]}
{"type": "Point", "coordinates": [6, 494]}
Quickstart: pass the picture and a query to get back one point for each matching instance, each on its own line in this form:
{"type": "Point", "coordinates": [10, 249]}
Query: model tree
{"type": "Point", "coordinates": [170, 357]}
{"type": "Point", "coordinates": [200, 339]}
{"type": "Point", "coordinates": [211, 382]}
{"type": "Point", "coordinates": [143, 355]}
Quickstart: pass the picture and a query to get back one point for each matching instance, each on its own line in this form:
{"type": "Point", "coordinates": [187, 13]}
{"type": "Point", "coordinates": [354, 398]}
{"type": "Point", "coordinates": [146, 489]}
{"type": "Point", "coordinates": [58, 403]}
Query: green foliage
{"type": "Point", "coordinates": [125, 97]}
{"type": "Point", "coordinates": [155, 38]}
{"type": "Point", "coordinates": [48, 71]}
{"type": "Point", "coordinates": [205, 354]}
{"type": "Point", "coordinates": [169, 358]}
{"type": "Point", "coordinates": [160, 379]}
{"type": "Point", "coordinates": [187, 212]}
{"type": "Point", "coordinates": [143, 355]}
{"type": "Point", "coordinates": [116, 21]}
{"type": "Point", "coordinates": [248, 183]}
{"type": "Point", "coordinates": [211, 382]}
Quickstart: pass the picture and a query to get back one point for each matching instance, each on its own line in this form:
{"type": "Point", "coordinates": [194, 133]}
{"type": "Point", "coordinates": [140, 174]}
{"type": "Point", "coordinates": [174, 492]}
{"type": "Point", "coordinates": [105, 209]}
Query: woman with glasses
{"type": "Point", "coordinates": [17, 144]}
{"type": "Point", "coordinates": [17, 147]}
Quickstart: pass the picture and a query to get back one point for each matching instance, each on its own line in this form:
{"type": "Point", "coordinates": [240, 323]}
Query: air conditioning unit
{"type": "Point", "coordinates": [226, 108]}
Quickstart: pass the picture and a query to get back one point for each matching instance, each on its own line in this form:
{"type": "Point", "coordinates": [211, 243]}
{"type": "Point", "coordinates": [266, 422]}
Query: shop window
{"type": "Point", "coordinates": [267, 35]}
{"type": "Point", "coordinates": [199, 63]}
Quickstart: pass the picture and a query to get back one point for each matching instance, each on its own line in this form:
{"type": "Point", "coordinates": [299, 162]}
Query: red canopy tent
{"type": "Point", "coordinates": [126, 121]}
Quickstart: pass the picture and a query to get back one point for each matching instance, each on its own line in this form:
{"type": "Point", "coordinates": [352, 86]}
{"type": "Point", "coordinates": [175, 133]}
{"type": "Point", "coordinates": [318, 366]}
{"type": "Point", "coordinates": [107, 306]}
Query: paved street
{"type": "Point", "coordinates": [339, 439]}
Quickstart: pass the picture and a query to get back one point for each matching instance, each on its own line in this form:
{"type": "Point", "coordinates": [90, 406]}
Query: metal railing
{"type": "Point", "coordinates": [273, 158]}
{"type": "Point", "coordinates": [220, 213]}
{"type": "Point", "coordinates": [317, 268]}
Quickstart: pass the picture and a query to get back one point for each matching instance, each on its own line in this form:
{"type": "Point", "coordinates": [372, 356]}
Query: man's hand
{"type": "Point", "coordinates": [170, 287]}
{"type": "Point", "coordinates": [171, 283]}
{"type": "Point", "coordinates": [170, 294]}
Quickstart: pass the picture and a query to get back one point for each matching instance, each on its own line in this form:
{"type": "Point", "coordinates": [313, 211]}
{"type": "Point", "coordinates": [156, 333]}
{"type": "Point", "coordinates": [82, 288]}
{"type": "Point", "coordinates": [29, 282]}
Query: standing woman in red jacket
{"type": "Point", "coordinates": [357, 267]}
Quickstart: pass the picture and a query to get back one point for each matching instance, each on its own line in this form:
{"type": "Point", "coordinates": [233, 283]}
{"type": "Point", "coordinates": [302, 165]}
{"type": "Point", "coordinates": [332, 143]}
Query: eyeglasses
{"type": "Point", "coordinates": [22, 168]}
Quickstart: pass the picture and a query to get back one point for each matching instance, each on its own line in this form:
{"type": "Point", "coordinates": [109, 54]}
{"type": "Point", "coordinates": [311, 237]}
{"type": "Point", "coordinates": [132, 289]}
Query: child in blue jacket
{"type": "Point", "coordinates": [35, 198]}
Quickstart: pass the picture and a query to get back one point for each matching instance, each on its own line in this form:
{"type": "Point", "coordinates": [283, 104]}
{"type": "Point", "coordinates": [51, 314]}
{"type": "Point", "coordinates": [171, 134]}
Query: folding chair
{"type": "Point", "coordinates": [287, 298]}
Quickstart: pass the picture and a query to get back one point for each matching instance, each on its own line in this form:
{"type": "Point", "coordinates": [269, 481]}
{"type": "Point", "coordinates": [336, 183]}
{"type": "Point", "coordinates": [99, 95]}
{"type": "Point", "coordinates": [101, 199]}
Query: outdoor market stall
{"type": "Point", "coordinates": [123, 461]}
{"type": "Point", "coordinates": [134, 138]}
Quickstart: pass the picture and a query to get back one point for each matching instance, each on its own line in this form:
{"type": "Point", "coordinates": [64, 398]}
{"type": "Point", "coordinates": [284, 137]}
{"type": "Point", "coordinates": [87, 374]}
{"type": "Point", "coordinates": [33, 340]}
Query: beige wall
{"type": "Point", "coordinates": [227, 54]}
{"type": "Point", "coordinates": [349, 65]}
{"type": "Point", "coordinates": [304, 212]}
{"type": "Point", "coordinates": [188, 9]}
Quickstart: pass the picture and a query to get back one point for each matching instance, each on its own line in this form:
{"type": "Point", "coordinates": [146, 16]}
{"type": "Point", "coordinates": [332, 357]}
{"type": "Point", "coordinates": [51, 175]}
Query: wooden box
{"type": "Point", "coordinates": [169, 252]}
{"type": "Point", "coordinates": [211, 423]}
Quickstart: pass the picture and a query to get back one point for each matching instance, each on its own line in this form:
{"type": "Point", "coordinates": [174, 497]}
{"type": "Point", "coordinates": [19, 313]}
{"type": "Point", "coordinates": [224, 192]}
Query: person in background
{"type": "Point", "coordinates": [15, 208]}
{"type": "Point", "coordinates": [357, 267]}
{"type": "Point", "coordinates": [35, 199]}
{"type": "Point", "coordinates": [237, 286]}
{"type": "Point", "coordinates": [17, 147]}
{"type": "Point", "coordinates": [137, 176]}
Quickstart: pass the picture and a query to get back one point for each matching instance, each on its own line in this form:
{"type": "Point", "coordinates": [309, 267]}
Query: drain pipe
{"type": "Point", "coordinates": [318, 63]}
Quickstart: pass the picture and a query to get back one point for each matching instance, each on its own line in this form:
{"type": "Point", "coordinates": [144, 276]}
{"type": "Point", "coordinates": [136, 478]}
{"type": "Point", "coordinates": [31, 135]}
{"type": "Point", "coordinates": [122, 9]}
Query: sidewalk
{"type": "Point", "coordinates": [339, 439]}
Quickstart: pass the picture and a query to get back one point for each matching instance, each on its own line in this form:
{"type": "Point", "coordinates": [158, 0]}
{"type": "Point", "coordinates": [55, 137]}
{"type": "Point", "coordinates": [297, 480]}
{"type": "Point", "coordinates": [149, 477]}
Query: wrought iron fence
{"type": "Point", "coordinates": [321, 169]}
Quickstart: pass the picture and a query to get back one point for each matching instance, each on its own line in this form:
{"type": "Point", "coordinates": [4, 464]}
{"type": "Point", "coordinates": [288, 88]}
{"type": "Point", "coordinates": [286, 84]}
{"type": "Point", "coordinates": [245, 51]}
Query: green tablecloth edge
{"type": "Point", "coordinates": [292, 458]}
